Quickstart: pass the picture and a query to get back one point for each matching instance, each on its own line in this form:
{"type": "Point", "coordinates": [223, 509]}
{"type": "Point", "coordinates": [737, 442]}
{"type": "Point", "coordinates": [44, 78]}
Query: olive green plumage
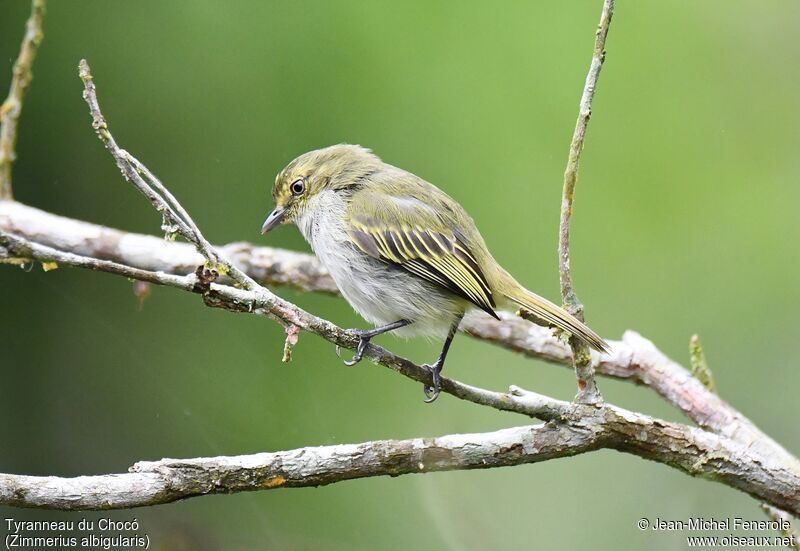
{"type": "Point", "coordinates": [398, 247]}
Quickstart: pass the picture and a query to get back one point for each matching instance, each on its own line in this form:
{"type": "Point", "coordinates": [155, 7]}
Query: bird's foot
{"type": "Point", "coordinates": [432, 392]}
{"type": "Point", "coordinates": [363, 341]}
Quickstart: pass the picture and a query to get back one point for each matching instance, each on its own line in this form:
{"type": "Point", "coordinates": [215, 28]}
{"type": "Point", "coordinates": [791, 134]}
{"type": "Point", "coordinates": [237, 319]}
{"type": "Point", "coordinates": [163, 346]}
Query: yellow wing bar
{"type": "Point", "coordinates": [434, 256]}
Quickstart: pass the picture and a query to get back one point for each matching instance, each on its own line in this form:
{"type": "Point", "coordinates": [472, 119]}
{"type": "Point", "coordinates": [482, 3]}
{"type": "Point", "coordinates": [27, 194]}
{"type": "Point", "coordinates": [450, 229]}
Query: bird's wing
{"type": "Point", "coordinates": [380, 224]}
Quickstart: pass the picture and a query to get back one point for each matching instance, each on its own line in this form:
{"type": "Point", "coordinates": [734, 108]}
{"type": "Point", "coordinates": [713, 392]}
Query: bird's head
{"type": "Point", "coordinates": [340, 167]}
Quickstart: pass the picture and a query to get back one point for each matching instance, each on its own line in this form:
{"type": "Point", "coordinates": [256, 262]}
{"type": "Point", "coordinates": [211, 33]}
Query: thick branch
{"type": "Point", "coordinates": [169, 480]}
{"type": "Point", "coordinates": [588, 391]}
{"type": "Point", "coordinates": [587, 428]}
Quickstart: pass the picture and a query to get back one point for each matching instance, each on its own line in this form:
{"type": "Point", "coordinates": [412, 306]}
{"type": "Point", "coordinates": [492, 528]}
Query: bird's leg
{"type": "Point", "coordinates": [364, 335]}
{"type": "Point", "coordinates": [432, 392]}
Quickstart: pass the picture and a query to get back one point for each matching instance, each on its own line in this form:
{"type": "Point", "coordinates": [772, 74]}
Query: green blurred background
{"type": "Point", "coordinates": [686, 221]}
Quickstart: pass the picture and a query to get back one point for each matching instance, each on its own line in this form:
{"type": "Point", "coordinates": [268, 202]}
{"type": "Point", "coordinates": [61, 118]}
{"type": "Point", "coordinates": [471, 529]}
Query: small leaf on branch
{"type": "Point", "coordinates": [700, 369]}
{"type": "Point", "coordinates": [142, 291]}
{"type": "Point", "coordinates": [292, 336]}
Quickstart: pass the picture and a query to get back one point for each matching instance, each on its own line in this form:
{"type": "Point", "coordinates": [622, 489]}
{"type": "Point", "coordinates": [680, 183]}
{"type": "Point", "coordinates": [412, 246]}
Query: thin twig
{"type": "Point", "coordinates": [11, 109]}
{"type": "Point", "coordinates": [588, 391]}
{"type": "Point", "coordinates": [171, 224]}
{"type": "Point", "coordinates": [176, 219]}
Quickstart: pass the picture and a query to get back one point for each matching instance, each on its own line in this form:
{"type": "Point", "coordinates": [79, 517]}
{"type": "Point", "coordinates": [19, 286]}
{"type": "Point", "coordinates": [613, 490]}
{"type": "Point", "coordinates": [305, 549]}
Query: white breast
{"type": "Point", "coordinates": [379, 292]}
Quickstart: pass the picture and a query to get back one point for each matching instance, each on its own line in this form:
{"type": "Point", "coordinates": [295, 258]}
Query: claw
{"type": "Point", "coordinates": [432, 392]}
{"type": "Point", "coordinates": [352, 362]}
{"type": "Point", "coordinates": [360, 349]}
{"type": "Point", "coordinates": [365, 335]}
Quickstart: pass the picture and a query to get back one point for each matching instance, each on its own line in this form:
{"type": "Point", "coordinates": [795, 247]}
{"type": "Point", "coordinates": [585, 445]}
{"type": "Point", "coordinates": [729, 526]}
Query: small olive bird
{"type": "Point", "coordinates": [405, 255]}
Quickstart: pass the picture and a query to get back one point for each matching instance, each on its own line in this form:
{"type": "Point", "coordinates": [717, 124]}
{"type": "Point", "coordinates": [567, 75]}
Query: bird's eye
{"type": "Point", "coordinates": [298, 187]}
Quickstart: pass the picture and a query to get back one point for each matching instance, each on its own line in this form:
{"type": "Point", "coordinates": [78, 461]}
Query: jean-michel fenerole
{"type": "Point", "coordinates": [708, 524]}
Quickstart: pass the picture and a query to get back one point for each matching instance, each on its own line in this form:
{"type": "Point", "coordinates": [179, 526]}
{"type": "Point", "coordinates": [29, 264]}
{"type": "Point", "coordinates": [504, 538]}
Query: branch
{"type": "Point", "coordinates": [11, 108]}
{"type": "Point", "coordinates": [587, 387]}
{"type": "Point", "coordinates": [690, 450]}
{"type": "Point", "coordinates": [150, 483]}
{"type": "Point", "coordinates": [147, 252]}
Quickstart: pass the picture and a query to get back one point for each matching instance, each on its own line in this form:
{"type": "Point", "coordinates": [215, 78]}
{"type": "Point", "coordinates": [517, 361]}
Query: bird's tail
{"type": "Point", "coordinates": [549, 312]}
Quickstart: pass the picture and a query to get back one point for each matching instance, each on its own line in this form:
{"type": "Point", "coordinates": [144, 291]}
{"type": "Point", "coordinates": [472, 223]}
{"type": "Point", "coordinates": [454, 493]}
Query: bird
{"type": "Point", "coordinates": [405, 255]}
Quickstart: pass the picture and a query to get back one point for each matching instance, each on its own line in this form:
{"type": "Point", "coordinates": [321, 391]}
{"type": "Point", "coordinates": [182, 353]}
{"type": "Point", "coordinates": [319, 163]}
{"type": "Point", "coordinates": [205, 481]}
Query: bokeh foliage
{"type": "Point", "coordinates": [686, 221]}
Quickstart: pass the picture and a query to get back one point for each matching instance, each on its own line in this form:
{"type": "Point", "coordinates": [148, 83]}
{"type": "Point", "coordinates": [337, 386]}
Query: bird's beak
{"type": "Point", "coordinates": [274, 218]}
